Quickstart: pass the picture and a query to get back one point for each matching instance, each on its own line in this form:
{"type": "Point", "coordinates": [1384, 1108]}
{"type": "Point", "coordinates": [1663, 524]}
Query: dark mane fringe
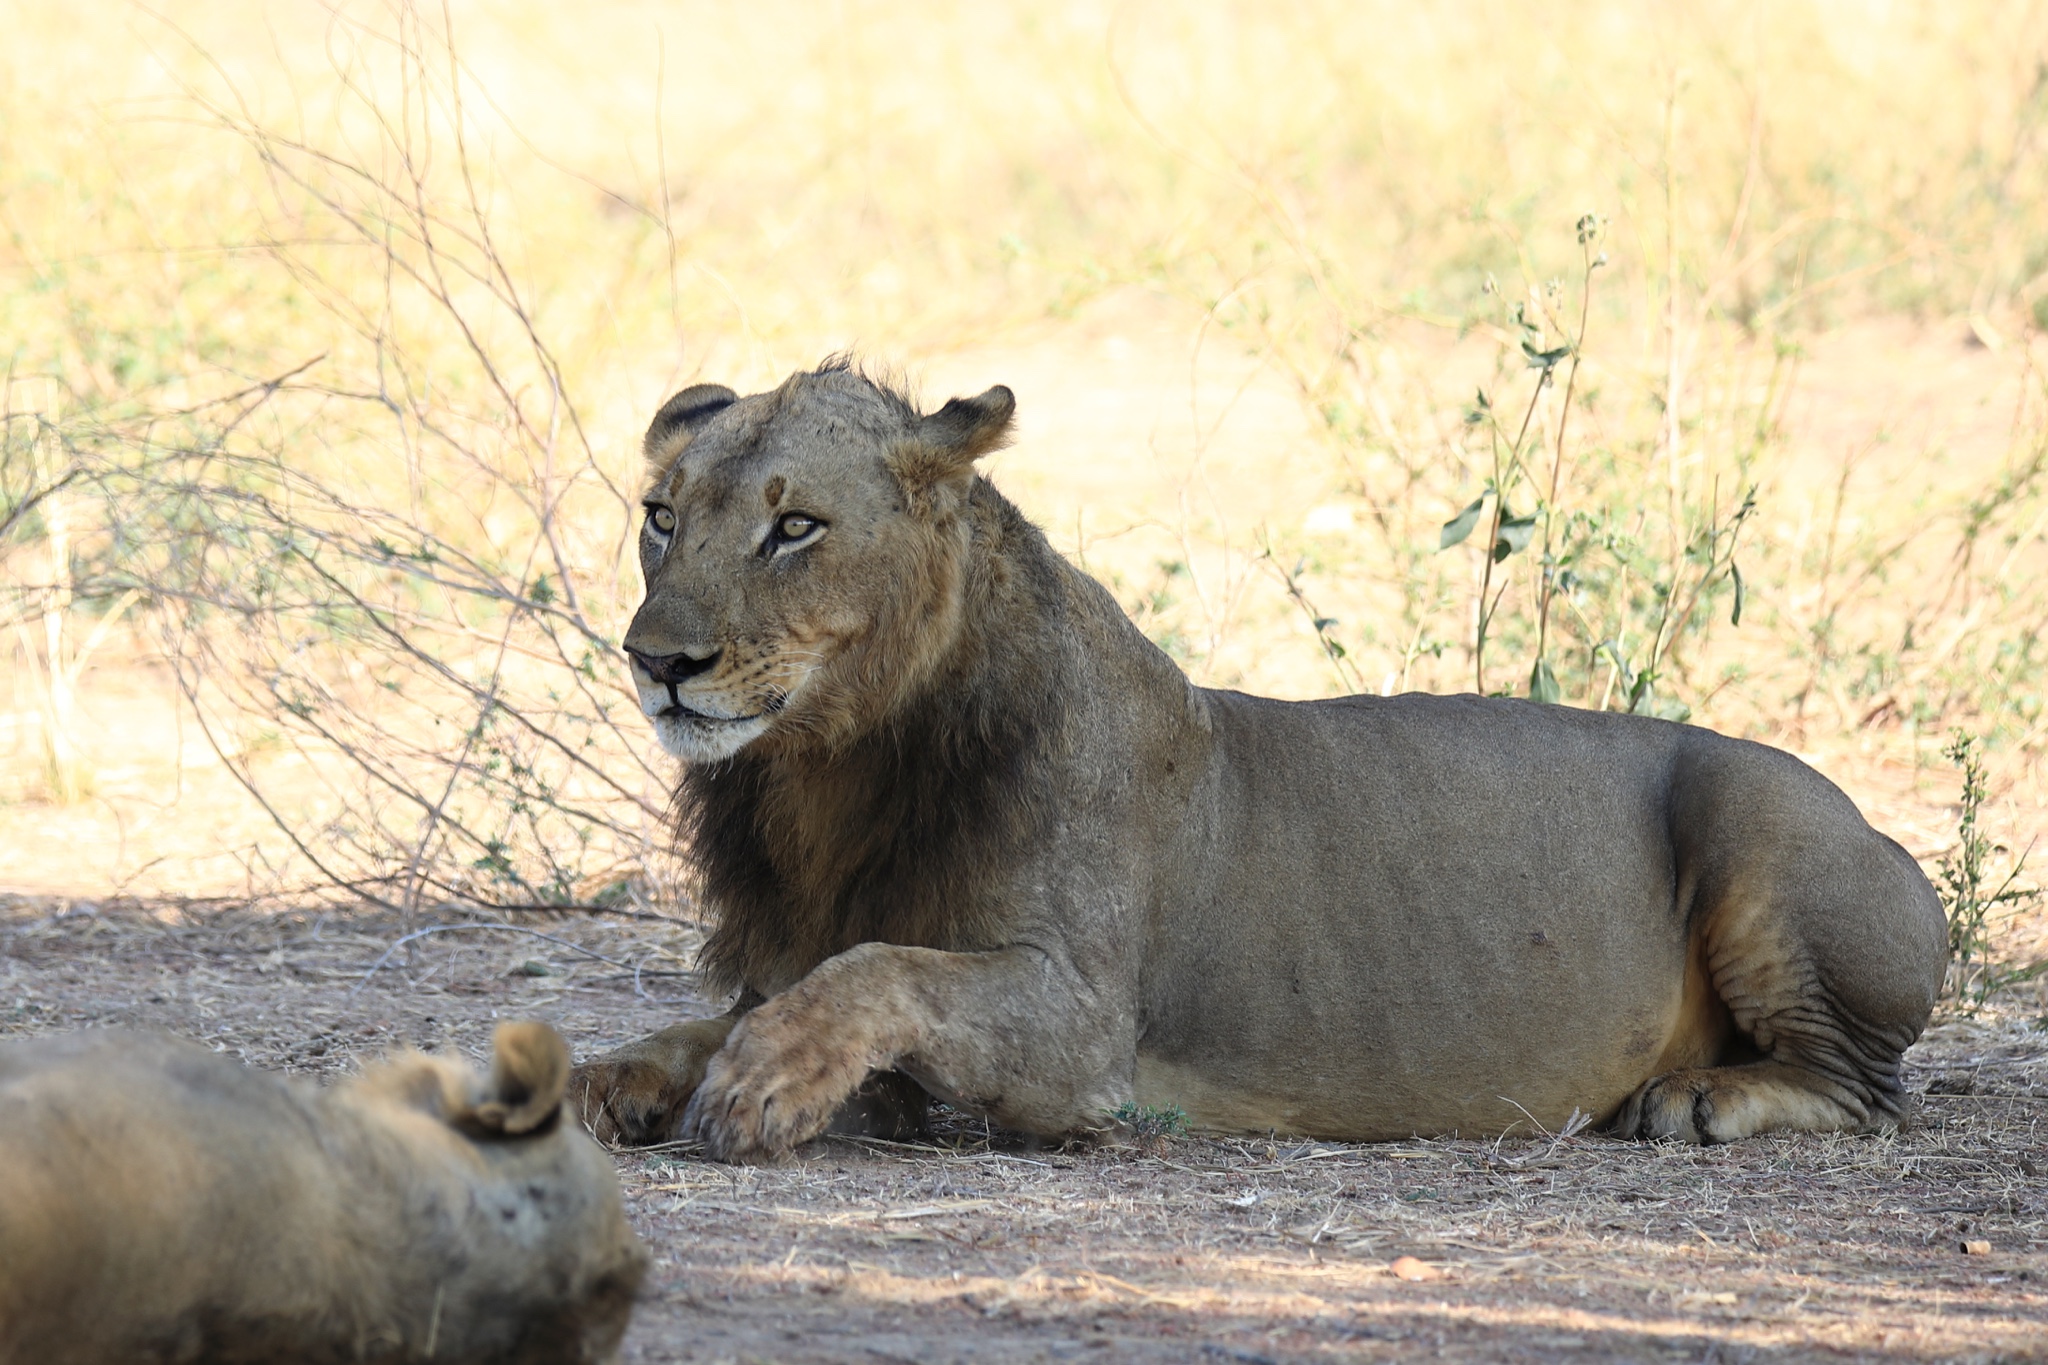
{"type": "Point", "coordinates": [891, 384]}
{"type": "Point", "coordinates": [896, 838]}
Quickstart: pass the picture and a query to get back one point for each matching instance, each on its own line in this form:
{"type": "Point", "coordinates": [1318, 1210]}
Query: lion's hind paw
{"type": "Point", "coordinates": [1723, 1103]}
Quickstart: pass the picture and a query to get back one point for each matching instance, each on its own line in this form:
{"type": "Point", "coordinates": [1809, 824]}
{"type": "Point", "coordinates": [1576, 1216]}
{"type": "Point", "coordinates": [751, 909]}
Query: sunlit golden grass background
{"type": "Point", "coordinates": [344, 323]}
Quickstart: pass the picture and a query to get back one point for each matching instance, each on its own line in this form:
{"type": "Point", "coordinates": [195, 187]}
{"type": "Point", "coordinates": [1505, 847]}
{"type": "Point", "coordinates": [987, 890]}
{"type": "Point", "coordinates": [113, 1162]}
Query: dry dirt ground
{"type": "Point", "coordinates": [978, 1246]}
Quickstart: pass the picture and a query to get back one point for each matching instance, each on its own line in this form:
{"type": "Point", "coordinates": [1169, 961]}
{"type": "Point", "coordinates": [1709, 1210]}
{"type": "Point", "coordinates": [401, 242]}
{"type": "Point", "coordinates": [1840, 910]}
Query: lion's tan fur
{"type": "Point", "coordinates": [159, 1202]}
{"type": "Point", "coordinates": [957, 817]}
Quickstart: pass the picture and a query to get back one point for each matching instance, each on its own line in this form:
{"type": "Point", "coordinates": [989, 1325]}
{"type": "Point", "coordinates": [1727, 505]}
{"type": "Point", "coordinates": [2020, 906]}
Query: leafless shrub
{"type": "Point", "coordinates": [396, 561]}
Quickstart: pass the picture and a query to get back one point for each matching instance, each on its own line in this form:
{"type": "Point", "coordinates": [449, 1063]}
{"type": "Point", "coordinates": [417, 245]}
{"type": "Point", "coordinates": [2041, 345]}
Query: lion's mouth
{"type": "Point", "coordinates": [704, 736]}
{"type": "Point", "coordinates": [678, 710]}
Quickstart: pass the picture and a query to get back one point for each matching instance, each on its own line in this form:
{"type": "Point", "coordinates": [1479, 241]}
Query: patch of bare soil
{"type": "Point", "coordinates": [977, 1246]}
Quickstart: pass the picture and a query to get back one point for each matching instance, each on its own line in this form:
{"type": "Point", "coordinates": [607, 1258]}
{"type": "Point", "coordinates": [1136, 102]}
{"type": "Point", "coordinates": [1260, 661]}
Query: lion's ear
{"type": "Point", "coordinates": [687, 411]}
{"type": "Point", "coordinates": [950, 440]}
{"type": "Point", "coordinates": [969, 428]}
{"type": "Point", "coordinates": [529, 1073]}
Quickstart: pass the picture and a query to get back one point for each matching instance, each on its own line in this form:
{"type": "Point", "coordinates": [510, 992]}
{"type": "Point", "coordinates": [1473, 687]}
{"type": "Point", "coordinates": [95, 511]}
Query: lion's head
{"type": "Point", "coordinates": [803, 552]}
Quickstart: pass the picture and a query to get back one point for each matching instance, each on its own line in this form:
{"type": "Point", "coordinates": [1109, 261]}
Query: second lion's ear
{"type": "Point", "coordinates": [685, 412]}
{"type": "Point", "coordinates": [950, 440]}
{"type": "Point", "coordinates": [529, 1073]}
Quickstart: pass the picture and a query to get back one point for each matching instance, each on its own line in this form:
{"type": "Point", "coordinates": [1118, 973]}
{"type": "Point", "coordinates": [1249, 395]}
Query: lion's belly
{"type": "Point", "coordinates": [1428, 1072]}
{"type": "Point", "coordinates": [1433, 917]}
{"type": "Point", "coordinates": [1337, 1109]}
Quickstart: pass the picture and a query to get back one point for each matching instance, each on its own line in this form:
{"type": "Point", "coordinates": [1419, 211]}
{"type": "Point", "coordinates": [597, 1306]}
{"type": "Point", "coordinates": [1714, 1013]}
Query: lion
{"type": "Point", "coordinates": [159, 1202]}
{"type": "Point", "coordinates": [960, 822]}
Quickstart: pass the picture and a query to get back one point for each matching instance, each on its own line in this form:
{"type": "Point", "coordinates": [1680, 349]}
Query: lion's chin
{"type": "Point", "coordinates": [707, 739]}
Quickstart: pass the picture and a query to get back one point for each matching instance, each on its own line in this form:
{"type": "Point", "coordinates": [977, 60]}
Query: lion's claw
{"type": "Point", "coordinates": [736, 1124]}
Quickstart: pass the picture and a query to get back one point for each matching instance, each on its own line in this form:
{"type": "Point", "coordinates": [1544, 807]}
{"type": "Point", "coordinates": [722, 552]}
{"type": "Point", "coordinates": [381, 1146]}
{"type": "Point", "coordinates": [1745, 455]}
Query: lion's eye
{"type": "Point", "coordinates": [662, 520]}
{"type": "Point", "coordinates": [794, 526]}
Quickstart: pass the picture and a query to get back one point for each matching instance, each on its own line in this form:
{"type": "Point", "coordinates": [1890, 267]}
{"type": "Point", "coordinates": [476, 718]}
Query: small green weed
{"type": "Point", "coordinates": [1153, 1121]}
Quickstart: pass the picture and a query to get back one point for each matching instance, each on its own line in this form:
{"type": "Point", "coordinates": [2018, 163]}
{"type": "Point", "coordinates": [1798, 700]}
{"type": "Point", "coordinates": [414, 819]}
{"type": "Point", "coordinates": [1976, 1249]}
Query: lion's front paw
{"type": "Point", "coordinates": [637, 1093]}
{"type": "Point", "coordinates": [626, 1101]}
{"type": "Point", "coordinates": [773, 1087]}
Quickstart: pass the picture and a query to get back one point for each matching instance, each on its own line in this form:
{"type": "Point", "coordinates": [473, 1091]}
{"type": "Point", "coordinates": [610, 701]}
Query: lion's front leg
{"type": "Point", "coordinates": [1005, 1033]}
{"type": "Point", "coordinates": [637, 1092]}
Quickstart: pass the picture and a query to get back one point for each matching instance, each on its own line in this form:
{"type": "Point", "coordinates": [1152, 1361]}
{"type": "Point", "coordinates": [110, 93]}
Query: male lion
{"type": "Point", "coordinates": [159, 1202]}
{"type": "Point", "coordinates": [960, 820]}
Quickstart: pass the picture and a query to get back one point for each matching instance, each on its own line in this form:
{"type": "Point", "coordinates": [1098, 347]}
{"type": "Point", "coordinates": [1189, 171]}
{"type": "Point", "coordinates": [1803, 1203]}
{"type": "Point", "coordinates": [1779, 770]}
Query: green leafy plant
{"type": "Point", "coordinates": [1508, 534]}
{"type": "Point", "coordinates": [1672, 593]}
{"type": "Point", "coordinates": [1968, 894]}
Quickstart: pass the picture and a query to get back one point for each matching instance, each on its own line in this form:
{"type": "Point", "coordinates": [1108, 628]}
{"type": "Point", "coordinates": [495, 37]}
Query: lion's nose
{"type": "Point", "coordinates": [672, 668]}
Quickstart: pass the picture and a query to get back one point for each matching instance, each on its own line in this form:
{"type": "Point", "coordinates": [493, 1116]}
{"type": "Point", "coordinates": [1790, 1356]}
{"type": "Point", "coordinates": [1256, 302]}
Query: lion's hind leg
{"type": "Point", "coordinates": [1804, 1062]}
{"type": "Point", "coordinates": [1816, 1040]}
{"type": "Point", "coordinates": [1799, 1056]}
{"type": "Point", "coordinates": [1826, 945]}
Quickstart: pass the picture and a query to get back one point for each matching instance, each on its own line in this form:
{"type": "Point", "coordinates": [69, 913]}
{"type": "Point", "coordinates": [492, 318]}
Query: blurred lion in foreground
{"type": "Point", "coordinates": [959, 819]}
{"type": "Point", "coordinates": [159, 1202]}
